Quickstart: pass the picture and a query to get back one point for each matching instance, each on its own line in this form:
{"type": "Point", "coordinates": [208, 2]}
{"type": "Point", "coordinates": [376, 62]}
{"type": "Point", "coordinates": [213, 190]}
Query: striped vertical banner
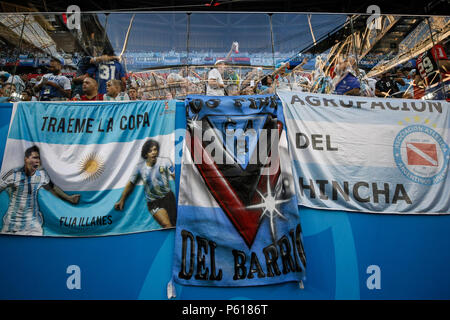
{"type": "Point", "coordinates": [238, 223]}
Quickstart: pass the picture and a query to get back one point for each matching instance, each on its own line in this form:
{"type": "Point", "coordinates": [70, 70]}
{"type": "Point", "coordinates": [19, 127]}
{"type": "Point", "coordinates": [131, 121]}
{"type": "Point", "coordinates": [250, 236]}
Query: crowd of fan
{"type": "Point", "coordinates": [104, 78]}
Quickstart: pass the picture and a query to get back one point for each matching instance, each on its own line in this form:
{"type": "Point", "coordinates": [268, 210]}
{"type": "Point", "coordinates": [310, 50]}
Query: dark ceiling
{"type": "Point", "coordinates": [436, 7]}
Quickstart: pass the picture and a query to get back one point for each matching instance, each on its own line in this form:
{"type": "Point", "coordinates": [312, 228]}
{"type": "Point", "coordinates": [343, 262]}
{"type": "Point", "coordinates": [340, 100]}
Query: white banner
{"type": "Point", "coordinates": [369, 154]}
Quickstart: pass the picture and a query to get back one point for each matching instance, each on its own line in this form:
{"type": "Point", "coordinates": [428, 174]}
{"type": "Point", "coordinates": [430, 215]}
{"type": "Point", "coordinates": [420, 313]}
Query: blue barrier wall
{"type": "Point", "coordinates": [409, 254]}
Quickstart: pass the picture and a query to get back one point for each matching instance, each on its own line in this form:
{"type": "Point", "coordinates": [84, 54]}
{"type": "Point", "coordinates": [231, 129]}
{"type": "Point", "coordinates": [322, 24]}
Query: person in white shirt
{"type": "Point", "coordinates": [215, 85]}
{"type": "Point", "coordinates": [114, 91]}
{"type": "Point", "coordinates": [54, 86]}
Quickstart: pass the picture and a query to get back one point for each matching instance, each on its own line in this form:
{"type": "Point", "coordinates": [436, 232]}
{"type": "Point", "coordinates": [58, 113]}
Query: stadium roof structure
{"type": "Point", "coordinates": [47, 32]}
{"type": "Point", "coordinates": [426, 34]}
{"type": "Point", "coordinates": [28, 28]}
{"type": "Point", "coordinates": [437, 7]}
{"type": "Point", "coordinates": [399, 36]}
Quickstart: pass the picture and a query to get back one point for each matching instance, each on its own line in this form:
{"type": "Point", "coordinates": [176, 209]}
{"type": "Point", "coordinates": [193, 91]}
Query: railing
{"type": "Point", "coordinates": [169, 54]}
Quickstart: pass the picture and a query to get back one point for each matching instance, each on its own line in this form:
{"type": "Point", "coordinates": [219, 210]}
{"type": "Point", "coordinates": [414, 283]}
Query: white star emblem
{"type": "Point", "coordinates": [269, 203]}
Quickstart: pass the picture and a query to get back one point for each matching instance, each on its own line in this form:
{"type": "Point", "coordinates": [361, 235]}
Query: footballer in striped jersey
{"type": "Point", "coordinates": [155, 173]}
{"type": "Point", "coordinates": [23, 216]}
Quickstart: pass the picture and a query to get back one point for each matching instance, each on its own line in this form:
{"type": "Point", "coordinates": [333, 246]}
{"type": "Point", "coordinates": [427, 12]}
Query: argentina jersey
{"type": "Point", "coordinates": [48, 92]}
{"type": "Point", "coordinates": [106, 71]}
{"type": "Point", "coordinates": [155, 178]}
{"type": "Point", "coordinates": [23, 216]}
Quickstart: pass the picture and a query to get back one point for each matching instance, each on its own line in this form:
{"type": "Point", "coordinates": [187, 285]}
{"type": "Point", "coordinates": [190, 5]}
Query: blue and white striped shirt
{"type": "Point", "coordinates": [156, 178]}
{"type": "Point", "coordinates": [23, 216]}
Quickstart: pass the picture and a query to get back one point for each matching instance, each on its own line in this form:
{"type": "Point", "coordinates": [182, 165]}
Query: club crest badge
{"type": "Point", "coordinates": [421, 154]}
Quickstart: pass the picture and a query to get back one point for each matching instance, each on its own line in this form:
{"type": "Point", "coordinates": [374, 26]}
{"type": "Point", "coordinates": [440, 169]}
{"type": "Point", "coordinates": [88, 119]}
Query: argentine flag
{"type": "Point", "coordinates": [90, 149]}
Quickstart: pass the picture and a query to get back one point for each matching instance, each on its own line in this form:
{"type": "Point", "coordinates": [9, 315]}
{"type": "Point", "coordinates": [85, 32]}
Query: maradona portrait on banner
{"type": "Point", "coordinates": [157, 174]}
{"type": "Point", "coordinates": [22, 184]}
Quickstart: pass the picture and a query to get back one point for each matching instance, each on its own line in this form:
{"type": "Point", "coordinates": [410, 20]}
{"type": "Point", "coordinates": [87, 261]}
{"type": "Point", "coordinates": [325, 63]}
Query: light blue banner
{"type": "Point", "coordinates": [112, 177]}
{"type": "Point", "coordinates": [238, 224]}
{"type": "Point", "coordinates": [369, 154]}
{"type": "Point", "coordinates": [92, 122]}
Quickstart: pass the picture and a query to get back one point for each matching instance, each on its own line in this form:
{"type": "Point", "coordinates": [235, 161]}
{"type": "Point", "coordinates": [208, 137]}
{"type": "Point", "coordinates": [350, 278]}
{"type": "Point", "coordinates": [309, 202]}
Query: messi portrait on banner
{"type": "Point", "coordinates": [238, 222]}
{"type": "Point", "coordinates": [23, 183]}
{"type": "Point", "coordinates": [89, 169]}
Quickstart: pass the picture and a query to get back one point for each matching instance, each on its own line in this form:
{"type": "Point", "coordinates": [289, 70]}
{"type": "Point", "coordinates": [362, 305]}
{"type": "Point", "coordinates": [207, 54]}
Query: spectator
{"type": "Point", "coordinates": [132, 93]}
{"type": "Point", "coordinates": [405, 89]}
{"type": "Point", "coordinates": [231, 80]}
{"type": "Point", "coordinates": [31, 83]}
{"type": "Point", "coordinates": [346, 81]}
{"type": "Point", "coordinates": [90, 90]}
{"type": "Point", "coordinates": [249, 90]}
{"type": "Point", "coordinates": [194, 84]}
{"type": "Point", "coordinates": [387, 86]}
{"type": "Point", "coordinates": [267, 85]}
{"type": "Point", "coordinates": [3, 98]}
{"type": "Point", "coordinates": [28, 96]}
{"type": "Point", "coordinates": [252, 79]}
{"type": "Point", "coordinates": [10, 92]}
{"type": "Point", "coordinates": [114, 91]}
{"type": "Point", "coordinates": [19, 82]}
{"type": "Point", "coordinates": [54, 86]}
{"type": "Point", "coordinates": [286, 75]}
{"type": "Point", "coordinates": [215, 85]}
{"type": "Point", "coordinates": [176, 85]}
{"type": "Point", "coordinates": [134, 81]}
{"type": "Point", "coordinates": [107, 68]}
{"type": "Point", "coordinates": [3, 78]}
{"type": "Point", "coordinates": [155, 87]}
{"type": "Point", "coordinates": [191, 75]}
{"type": "Point", "coordinates": [417, 83]}
{"type": "Point", "coordinates": [82, 73]}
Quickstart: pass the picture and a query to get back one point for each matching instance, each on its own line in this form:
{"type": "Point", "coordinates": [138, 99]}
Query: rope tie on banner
{"type": "Point", "coordinates": [171, 291]}
{"type": "Point", "coordinates": [300, 285]}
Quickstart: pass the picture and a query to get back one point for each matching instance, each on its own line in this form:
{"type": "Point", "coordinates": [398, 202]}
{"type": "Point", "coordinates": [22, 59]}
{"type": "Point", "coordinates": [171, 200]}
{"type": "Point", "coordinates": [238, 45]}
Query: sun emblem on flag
{"type": "Point", "coordinates": [91, 166]}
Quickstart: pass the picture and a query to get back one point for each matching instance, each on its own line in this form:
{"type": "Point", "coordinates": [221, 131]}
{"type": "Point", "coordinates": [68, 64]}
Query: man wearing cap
{"type": "Point", "coordinates": [215, 85]}
{"type": "Point", "coordinates": [54, 86]}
